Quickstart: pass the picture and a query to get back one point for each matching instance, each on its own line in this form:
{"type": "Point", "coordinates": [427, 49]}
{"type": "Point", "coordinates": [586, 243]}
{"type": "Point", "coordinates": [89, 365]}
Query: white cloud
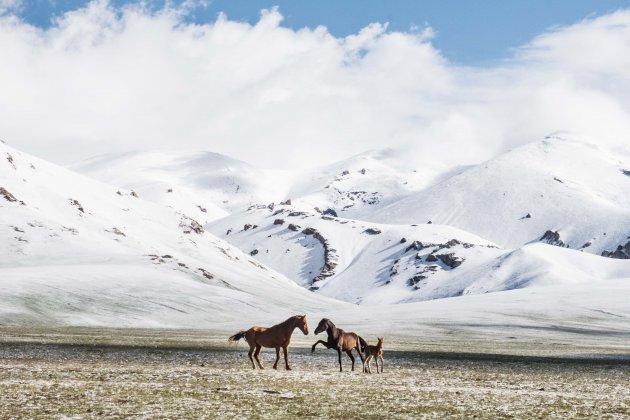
{"type": "Point", "coordinates": [105, 79]}
{"type": "Point", "coordinates": [10, 6]}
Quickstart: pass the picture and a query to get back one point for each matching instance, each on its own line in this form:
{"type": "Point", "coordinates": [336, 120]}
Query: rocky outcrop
{"type": "Point", "coordinates": [450, 260]}
{"type": "Point", "coordinates": [7, 195]}
{"type": "Point", "coordinates": [293, 227]}
{"type": "Point", "coordinates": [431, 258]}
{"type": "Point", "coordinates": [119, 232]}
{"type": "Point", "coordinates": [278, 222]}
{"type": "Point", "coordinates": [76, 204]}
{"type": "Point", "coordinates": [418, 246]}
{"type": "Point", "coordinates": [553, 238]}
{"type": "Point", "coordinates": [10, 159]}
{"type": "Point", "coordinates": [206, 273]}
{"type": "Point", "coordinates": [330, 212]}
{"type": "Point", "coordinates": [622, 252]}
{"type": "Point", "coordinates": [190, 225]}
{"type": "Point", "coordinates": [372, 231]}
{"type": "Point", "coordinates": [416, 279]}
{"type": "Point", "coordinates": [330, 255]}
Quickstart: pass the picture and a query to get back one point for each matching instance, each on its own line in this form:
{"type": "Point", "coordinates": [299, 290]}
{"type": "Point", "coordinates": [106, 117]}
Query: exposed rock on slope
{"type": "Point", "coordinates": [622, 252]}
{"type": "Point", "coordinates": [553, 238]}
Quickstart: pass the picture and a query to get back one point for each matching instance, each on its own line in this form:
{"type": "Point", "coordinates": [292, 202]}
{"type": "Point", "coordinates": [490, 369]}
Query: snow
{"type": "Point", "coordinates": [565, 185]}
{"type": "Point", "coordinates": [187, 181]}
{"type": "Point", "coordinates": [377, 269]}
{"type": "Point", "coordinates": [76, 251]}
{"type": "Point", "coordinates": [579, 314]}
{"type": "Point", "coordinates": [190, 240]}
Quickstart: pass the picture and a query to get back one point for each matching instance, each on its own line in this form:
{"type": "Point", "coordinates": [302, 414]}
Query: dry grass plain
{"type": "Point", "coordinates": [83, 373]}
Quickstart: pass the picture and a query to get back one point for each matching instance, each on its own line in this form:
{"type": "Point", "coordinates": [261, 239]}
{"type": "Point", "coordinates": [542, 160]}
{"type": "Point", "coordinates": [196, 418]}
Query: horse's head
{"type": "Point", "coordinates": [380, 341]}
{"type": "Point", "coordinates": [302, 323]}
{"type": "Point", "coordinates": [323, 325]}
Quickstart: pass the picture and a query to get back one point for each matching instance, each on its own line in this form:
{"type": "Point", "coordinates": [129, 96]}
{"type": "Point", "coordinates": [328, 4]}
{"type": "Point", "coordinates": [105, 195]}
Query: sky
{"type": "Point", "coordinates": [306, 83]}
{"type": "Point", "coordinates": [469, 33]}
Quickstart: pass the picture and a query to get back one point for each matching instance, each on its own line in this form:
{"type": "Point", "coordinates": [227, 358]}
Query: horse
{"type": "Point", "coordinates": [277, 336]}
{"type": "Point", "coordinates": [340, 340]}
{"type": "Point", "coordinates": [376, 352]}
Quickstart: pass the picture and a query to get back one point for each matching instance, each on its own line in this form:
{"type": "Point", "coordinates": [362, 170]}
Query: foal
{"type": "Point", "coordinates": [277, 336]}
{"type": "Point", "coordinates": [375, 352]}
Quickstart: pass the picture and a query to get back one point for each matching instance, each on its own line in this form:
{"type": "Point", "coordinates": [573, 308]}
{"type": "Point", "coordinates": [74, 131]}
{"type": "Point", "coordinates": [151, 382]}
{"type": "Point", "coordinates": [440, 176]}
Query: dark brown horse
{"type": "Point", "coordinates": [276, 336]}
{"type": "Point", "coordinates": [340, 340]}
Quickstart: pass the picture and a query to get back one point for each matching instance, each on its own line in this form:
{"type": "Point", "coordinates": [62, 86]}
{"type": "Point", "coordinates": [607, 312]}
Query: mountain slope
{"type": "Point", "coordinates": [73, 244]}
{"type": "Point", "coordinates": [357, 186]}
{"type": "Point", "coordinates": [558, 184]}
{"type": "Point", "coordinates": [369, 263]}
{"type": "Point", "coordinates": [220, 185]}
{"type": "Point", "coordinates": [204, 185]}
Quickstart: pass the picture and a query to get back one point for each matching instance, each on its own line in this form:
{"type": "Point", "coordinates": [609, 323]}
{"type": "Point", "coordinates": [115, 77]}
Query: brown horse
{"type": "Point", "coordinates": [375, 352]}
{"type": "Point", "coordinates": [276, 336]}
{"type": "Point", "coordinates": [340, 340]}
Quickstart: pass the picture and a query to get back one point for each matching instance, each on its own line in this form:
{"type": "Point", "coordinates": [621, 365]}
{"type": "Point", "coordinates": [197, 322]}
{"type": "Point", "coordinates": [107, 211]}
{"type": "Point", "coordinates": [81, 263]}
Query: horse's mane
{"type": "Point", "coordinates": [288, 321]}
{"type": "Point", "coordinates": [330, 323]}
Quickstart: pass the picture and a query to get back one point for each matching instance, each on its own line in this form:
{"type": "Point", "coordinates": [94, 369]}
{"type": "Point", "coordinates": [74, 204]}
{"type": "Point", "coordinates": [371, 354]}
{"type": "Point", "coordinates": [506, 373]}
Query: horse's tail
{"type": "Point", "coordinates": [363, 345]}
{"type": "Point", "coordinates": [238, 336]}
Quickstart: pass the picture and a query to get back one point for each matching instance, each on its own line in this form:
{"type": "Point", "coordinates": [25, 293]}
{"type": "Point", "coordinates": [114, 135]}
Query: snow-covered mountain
{"type": "Point", "coordinates": [75, 250]}
{"type": "Point", "coordinates": [170, 237]}
{"type": "Point", "coordinates": [560, 190]}
{"type": "Point", "coordinates": [577, 191]}
{"type": "Point", "coordinates": [354, 188]}
{"type": "Point", "coordinates": [204, 185]}
{"type": "Point", "coordinates": [369, 263]}
{"type": "Point", "coordinates": [376, 229]}
{"type": "Point", "coordinates": [356, 261]}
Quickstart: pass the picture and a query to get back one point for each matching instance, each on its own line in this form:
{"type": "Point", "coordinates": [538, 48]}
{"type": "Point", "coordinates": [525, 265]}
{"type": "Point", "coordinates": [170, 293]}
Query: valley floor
{"type": "Point", "coordinates": [168, 374]}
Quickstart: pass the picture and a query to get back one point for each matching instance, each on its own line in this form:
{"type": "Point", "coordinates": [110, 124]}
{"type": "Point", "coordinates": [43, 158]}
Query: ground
{"type": "Point", "coordinates": [169, 374]}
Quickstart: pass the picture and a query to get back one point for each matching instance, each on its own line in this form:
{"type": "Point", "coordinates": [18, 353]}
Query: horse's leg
{"type": "Point", "coordinates": [381, 363]}
{"type": "Point", "coordinates": [251, 351]}
{"type": "Point", "coordinates": [365, 361]}
{"type": "Point", "coordinates": [319, 341]}
{"type": "Point", "coordinates": [368, 360]}
{"type": "Point", "coordinates": [275, 365]}
{"type": "Point", "coordinates": [256, 353]}
{"type": "Point", "coordinates": [339, 353]}
{"type": "Point", "coordinates": [349, 353]}
{"type": "Point", "coordinates": [359, 351]}
{"type": "Point", "coordinates": [286, 357]}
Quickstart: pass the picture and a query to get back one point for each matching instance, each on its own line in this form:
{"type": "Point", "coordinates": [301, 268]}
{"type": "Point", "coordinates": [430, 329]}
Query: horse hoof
{"type": "Point", "coordinates": [275, 367]}
{"type": "Point", "coordinates": [288, 368]}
